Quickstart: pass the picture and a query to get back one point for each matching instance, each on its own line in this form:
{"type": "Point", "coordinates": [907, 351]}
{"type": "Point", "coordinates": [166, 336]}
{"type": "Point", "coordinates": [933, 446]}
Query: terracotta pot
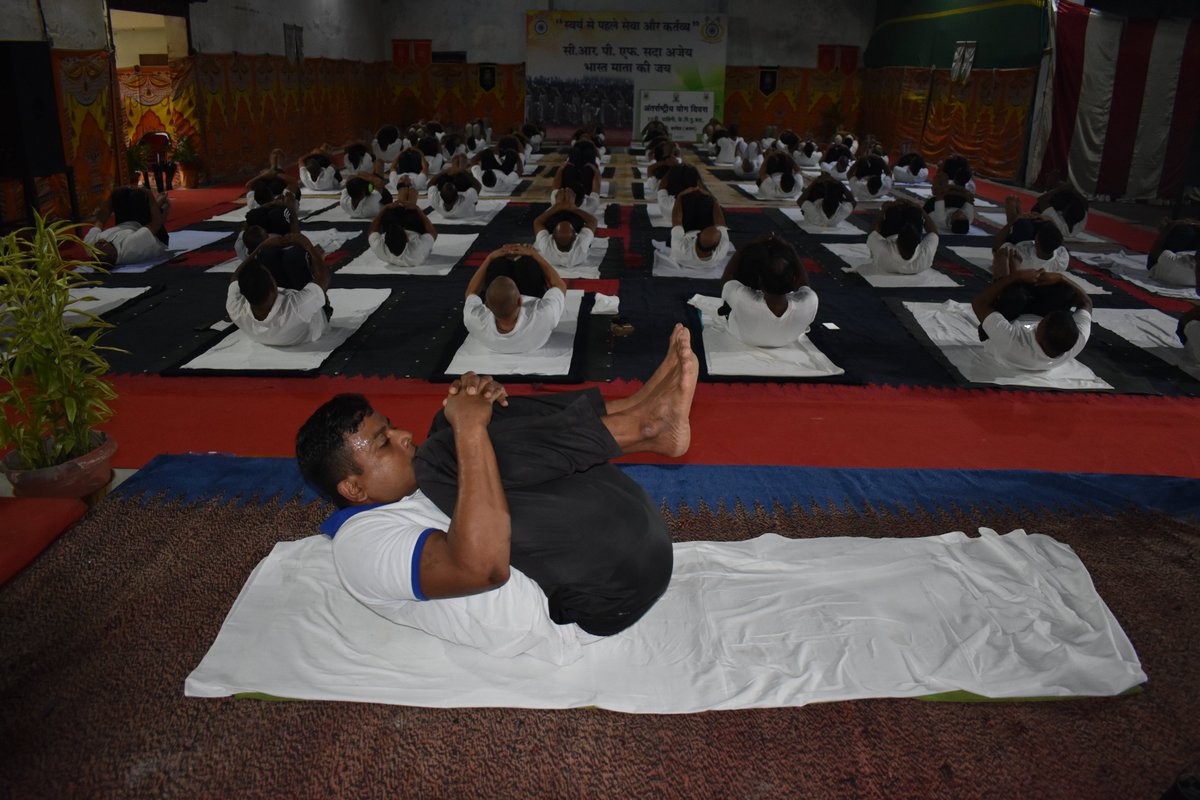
{"type": "Point", "coordinates": [189, 176]}
{"type": "Point", "coordinates": [78, 477]}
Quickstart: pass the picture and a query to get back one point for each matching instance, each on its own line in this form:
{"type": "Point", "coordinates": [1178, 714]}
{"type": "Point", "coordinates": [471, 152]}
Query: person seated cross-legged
{"type": "Point", "coordinates": [904, 240]}
{"type": "Point", "coordinates": [514, 300]}
{"type": "Point", "coordinates": [401, 234]}
{"type": "Point", "coordinates": [1060, 334]}
{"type": "Point", "coordinates": [1037, 240]}
{"type": "Point", "coordinates": [278, 296]}
{"type": "Point", "coordinates": [699, 235]}
{"type": "Point", "coordinates": [766, 294]}
{"type": "Point", "coordinates": [563, 233]}
{"type": "Point", "coordinates": [504, 491]}
{"type": "Point", "coordinates": [825, 202]}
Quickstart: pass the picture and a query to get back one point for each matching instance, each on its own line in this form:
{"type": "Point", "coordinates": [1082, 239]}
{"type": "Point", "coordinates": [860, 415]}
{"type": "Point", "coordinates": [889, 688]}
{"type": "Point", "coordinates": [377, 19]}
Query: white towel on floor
{"type": "Point", "coordinates": [953, 327]}
{"type": "Point", "coordinates": [351, 308]}
{"type": "Point", "coordinates": [982, 257]}
{"type": "Point", "coordinates": [666, 267]}
{"type": "Point", "coordinates": [751, 189]}
{"type": "Point", "coordinates": [858, 257]}
{"type": "Point", "coordinates": [843, 228]}
{"type": "Point", "coordinates": [725, 354]}
{"type": "Point", "coordinates": [552, 358]}
{"type": "Point", "coordinates": [330, 240]}
{"type": "Point", "coordinates": [1151, 330]}
{"type": "Point", "coordinates": [448, 250]}
{"type": "Point", "coordinates": [764, 623]}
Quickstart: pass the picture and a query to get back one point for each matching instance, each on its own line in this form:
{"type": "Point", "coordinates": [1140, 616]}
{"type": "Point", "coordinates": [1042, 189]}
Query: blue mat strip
{"type": "Point", "coordinates": [195, 478]}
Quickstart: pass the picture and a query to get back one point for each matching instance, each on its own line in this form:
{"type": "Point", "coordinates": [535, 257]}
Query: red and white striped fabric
{"type": "Point", "coordinates": [1126, 103]}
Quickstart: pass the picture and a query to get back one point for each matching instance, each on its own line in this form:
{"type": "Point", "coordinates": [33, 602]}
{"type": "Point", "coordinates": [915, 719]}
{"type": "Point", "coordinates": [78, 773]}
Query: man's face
{"type": "Point", "coordinates": [384, 454]}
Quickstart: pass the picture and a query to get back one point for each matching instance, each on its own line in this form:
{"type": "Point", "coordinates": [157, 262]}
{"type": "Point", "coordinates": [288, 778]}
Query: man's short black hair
{"type": "Point", "coordinates": [1061, 332]}
{"type": "Point", "coordinates": [321, 450]}
{"type": "Point", "coordinates": [355, 154]}
{"type": "Point", "coordinates": [253, 236]}
{"type": "Point", "coordinates": [449, 193]}
{"type": "Point", "coordinates": [130, 204]}
{"type": "Point", "coordinates": [1049, 237]}
{"type": "Point", "coordinates": [874, 184]}
{"type": "Point", "coordinates": [357, 189]}
{"type": "Point", "coordinates": [488, 178]}
{"type": "Point", "coordinates": [255, 282]}
{"type": "Point", "coordinates": [395, 238]}
{"type": "Point", "coordinates": [960, 224]}
{"type": "Point", "coordinates": [386, 136]}
{"type": "Point", "coordinates": [830, 203]}
{"type": "Point", "coordinates": [908, 239]}
{"type": "Point", "coordinates": [408, 161]}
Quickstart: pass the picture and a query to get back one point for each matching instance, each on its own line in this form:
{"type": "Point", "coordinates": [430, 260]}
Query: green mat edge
{"type": "Point", "coordinates": [959, 696]}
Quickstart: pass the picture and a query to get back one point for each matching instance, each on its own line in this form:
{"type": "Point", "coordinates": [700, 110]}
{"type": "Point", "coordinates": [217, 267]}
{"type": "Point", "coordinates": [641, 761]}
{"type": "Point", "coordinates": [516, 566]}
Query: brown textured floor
{"type": "Point", "coordinates": [99, 634]}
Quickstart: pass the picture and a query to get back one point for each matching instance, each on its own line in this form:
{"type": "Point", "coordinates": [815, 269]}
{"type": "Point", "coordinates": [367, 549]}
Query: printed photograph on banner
{"type": "Point", "coordinates": [586, 68]}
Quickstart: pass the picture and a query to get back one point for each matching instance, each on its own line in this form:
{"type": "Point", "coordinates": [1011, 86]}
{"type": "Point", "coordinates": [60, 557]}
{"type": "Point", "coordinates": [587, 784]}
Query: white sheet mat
{"type": "Point", "coordinates": [982, 257]}
{"type": "Point", "coordinates": [183, 241]}
{"type": "Point", "coordinates": [99, 300]}
{"type": "Point", "coordinates": [591, 267]}
{"type": "Point", "coordinates": [665, 267]}
{"type": "Point", "coordinates": [765, 623]}
{"type": "Point", "coordinates": [448, 250]}
{"type": "Point", "coordinates": [329, 240]}
{"type": "Point", "coordinates": [657, 220]}
{"type": "Point", "coordinates": [552, 358]}
{"type": "Point", "coordinates": [351, 307]}
{"type": "Point", "coordinates": [843, 228]}
{"type": "Point", "coordinates": [1132, 267]}
{"type": "Point", "coordinates": [725, 354]}
{"type": "Point", "coordinates": [953, 327]}
{"type": "Point", "coordinates": [1151, 330]}
{"type": "Point", "coordinates": [485, 212]}
{"type": "Point", "coordinates": [307, 205]}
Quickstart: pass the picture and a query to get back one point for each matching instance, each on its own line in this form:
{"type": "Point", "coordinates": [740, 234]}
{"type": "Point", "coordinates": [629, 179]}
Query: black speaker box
{"type": "Point", "coordinates": [30, 137]}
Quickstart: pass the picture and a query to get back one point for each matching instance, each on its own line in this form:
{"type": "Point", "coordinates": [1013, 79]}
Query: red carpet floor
{"type": "Point", "coordinates": [732, 424]}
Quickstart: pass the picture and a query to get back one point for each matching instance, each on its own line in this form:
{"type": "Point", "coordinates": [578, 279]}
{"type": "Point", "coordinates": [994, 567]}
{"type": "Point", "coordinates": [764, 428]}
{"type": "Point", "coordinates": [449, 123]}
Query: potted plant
{"type": "Point", "coordinates": [137, 159]}
{"type": "Point", "coordinates": [53, 392]}
{"type": "Point", "coordinates": [187, 158]}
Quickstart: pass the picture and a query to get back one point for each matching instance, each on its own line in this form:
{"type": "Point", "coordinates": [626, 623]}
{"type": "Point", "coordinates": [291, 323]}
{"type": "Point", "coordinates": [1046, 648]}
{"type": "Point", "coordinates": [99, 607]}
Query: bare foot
{"type": "Point", "coordinates": [1012, 207]}
{"type": "Point", "coordinates": [663, 419]}
{"type": "Point", "coordinates": [651, 385]}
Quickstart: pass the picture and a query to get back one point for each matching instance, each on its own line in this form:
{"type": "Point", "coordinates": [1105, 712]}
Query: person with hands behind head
{"type": "Point", "coordinates": [364, 195]}
{"type": "Point", "coordinates": [514, 300]}
{"type": "Point", "coordinates": [699, 235]}
{"type": "Point", "coordinates": [278, 295]}
{"type": "Point", "coordinates": [1060, 334]}
{"type": "Point", "coordinates": [455, 193]}
{"type": "Point", "coordinates": [564, 232]}
{"type": "Point", "coordinates": [139, 231]}
{"type": "Point", "coordinates": [401, 234]}
{"type": "Point", "coordinates": [904, 239]}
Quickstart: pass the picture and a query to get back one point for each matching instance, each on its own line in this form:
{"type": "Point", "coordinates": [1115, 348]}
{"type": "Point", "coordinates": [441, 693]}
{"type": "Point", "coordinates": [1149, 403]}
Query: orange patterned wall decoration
{"type": "Point", "coordinates": [808, 101]}
{"type": "Point", "coordinates": [985, 119]}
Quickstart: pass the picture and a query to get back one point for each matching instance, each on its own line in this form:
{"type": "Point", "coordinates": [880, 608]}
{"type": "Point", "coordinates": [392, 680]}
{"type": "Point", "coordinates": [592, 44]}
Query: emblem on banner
{"type": "Point", "coordinates": [541, 27]}
{"type": "Point", "coordinates": [713, 30]}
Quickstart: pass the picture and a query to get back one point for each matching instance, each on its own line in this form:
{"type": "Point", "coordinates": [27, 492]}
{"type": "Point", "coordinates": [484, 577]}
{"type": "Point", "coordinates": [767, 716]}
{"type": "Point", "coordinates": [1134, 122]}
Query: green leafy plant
{"type": "Point", "coordinates": [137, 158]}
{"type": "Point", "coordinates": [52, 386]}
{"type": "Point", "coordinates": [185, 152]}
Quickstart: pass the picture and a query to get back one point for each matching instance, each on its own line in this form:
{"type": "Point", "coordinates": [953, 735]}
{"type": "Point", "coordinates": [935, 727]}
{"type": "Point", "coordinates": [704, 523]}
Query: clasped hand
{"type": "Point", "coordinates": [470, 398]}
